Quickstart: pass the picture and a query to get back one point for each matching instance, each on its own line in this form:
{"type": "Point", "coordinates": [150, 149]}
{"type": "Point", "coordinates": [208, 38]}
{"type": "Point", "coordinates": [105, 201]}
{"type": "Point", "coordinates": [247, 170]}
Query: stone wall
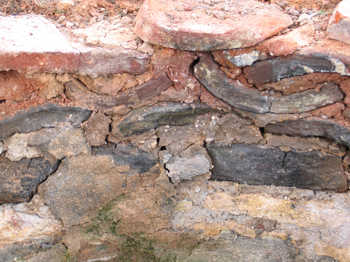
{"type": "Point", "coordinates": [218, 131]}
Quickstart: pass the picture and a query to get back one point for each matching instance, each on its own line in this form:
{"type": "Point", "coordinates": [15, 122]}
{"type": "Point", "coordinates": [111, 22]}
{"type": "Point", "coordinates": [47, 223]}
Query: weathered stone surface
{"type": "Point", "coordinates": [275, 69]}
{"type": "Point", "coordinates": [241, 59]}
{"type": "Point", "coordinates": [304, 144]}
{"type": "Point", "coordinates": [127, 155]}
{"type": "Point", "coordinates": [339, 23]}
{"type": "Point", "coordinates": [81, 185]}
{"type": "Point", "coordinates": [257, 165]}
{"type": "Point", "coordinates": [307, 100]}
{"type": "Point", "coordinates": [312, 127]}
{"type": "Point", "coordinates": [43, 116]}
{"type": "Point", "coordinates": [25, 229]}
{"type": "Point", "coordinates": [96, 129]}
{"type": "Point", "coordinates": [2, 147]}
{"type": "Point", "coordinates": [205, 26]}
{"type": "Point", "coordinates": [240, 249]}
{"type": "Point", "coordinates": [26, 52]}
{"type": "Point", "coordinates": [313, 170]}
{"type": "Point", "coordinates": [17, 148]}
{"type": "Point", "coordinates": [192, 162]}
{"type": "Point", "coordinates": [19, 180]}
{"type": "Point", "coordinates": [151, 117]}
{"type": "Point", "coordinates": [290, 42]}
{"type": "Point", "coordinates": [61, 141]}
{"type": "Point", "coordinates": [57, 253]}
{"type": "Point", "coordinates": [232, 92]}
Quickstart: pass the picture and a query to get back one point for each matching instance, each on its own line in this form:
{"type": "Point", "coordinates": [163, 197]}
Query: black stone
{"type": "Point", "coordinates": [275, 69]}
{"type": "Point", "coordinates": [127, 155]}
{"type": "Point", "coordinates": [43, 116]}
{"type": "Point", "coordinates": [19, 180]}
{"type": "Point", "coordinates": [151, 117]}
{"type": "Point", "coordinates": [232, 92]}
{"type": "Point", "coordinates": [259, 165]}
{"type": "Point", "coordinates": [312, 127]}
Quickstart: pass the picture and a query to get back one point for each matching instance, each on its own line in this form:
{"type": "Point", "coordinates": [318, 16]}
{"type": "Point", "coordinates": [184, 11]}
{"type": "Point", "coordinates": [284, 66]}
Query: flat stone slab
{"type": "Point", "coordinates": [249, 99]}
{"type": "Point", "coordinates": [19, 180]}
{"type": "Point", "coordinates": [258, 165]}
{"type": "Point", "coordinates": [275, 69]}
{"type": "Point", "coordinates": [31, 43]}
{"type": "Point", "coordinates": [43, 116]}
{"type": "Point", "coordinates": [339, 23]}
{"type": "Point", "coordinates": [208, 25]}
{"type": "Point", "coordinates": [151, 117]}
{"type": "Point", "coordinates": [312, 127]}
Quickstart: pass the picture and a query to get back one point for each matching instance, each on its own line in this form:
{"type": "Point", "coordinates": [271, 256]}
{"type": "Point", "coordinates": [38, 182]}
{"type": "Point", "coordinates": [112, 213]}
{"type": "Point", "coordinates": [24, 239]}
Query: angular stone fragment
{"type": "Point", "coordinates": [275, 69]}
{"type": "Point", "coordinates": [257, 165]}
{"type": "Point", "coordinates": [312, 127]}
{"type": "Point", "coordinates": [232, 92]}
{"type": "Point", "coordinates": [339, 23]}
{"type": "Point", "coordinates": [151, 117]}
{"type": "Point", "coordinates": [241, 60]}
{"type": "Point", "coordinates": [193, 162]}
{"type": "Point", "coordinates": [40, 117]}
{"type": "Point", "coordinates": [307, 100]}
{"type": "Point", "coordinates": [81, 185]}
{"type": "Point", "coordinates": [96, 129]}
{"type": "Point", "coordinates": [123, 154]}
{"type": "Point", "coordinates": [19, 180]}
{"type": "Point", "coordinates": [26, 229]}
{"type": "Point", "coordinates": [205, 26]}
{"type": "Point", "coordinates": [18, 148]}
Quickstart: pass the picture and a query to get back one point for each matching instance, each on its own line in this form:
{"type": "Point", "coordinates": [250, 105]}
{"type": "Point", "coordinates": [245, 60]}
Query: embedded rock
{"type": "Point", "coordinates": [205, 26]}
{"type": "Point", "coordinates": [307, 100]}
{"type": "Point", "coordinates": [232, 92]}
{"type": "Point", "coordinates": [26, 229]}
{"type": "Point", "coordinates": [151, 117]}
{"type": "Point", "coordinates": [40, 117]}
{"type": "Point", "coordinates": [96, 129]}
{"type": "Point", "coordinates": [18, 148]}
{"type": "Point", "coordinates": [339, 23]}
{"type": "Point", "coordinates": [127, 155]}
{"type": "Point", "coordinates": [81, 185]}
{"type": "Point", "coordinates": [243, 249]}
{"type": "Point", "coordinates": [57, 253]}
{"type": "Point", "coordinates": [258, 165]}
{"type": "Point", "coordinates": [312, 127]}
{"type": "Point", "coordinates": [275, 69]}
{"type": "Point", "coordinates": [19, 180]}
{"type": "Point", "coordinates": [193, 162]}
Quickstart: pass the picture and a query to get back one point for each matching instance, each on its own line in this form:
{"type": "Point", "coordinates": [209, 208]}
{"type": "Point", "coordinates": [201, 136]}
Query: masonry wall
{"type": "Point", "coordinates": [218, 131]}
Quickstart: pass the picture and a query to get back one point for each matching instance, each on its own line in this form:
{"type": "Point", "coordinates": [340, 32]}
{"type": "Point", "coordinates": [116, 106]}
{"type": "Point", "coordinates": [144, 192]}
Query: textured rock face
{"type": "Point", "coordinates": [25, 229]}
{"type": "Point", "coordinates": [338, 27]}
{"type": "Point", "coordinates": [19, 180]}
{"type": "Point", "coordinates": [144, 119]}
{"type": "Point", "coordinates": [256, 165]}
{"type": "Point", "coordinates": [318, 128]}
{"type": "Point", "coordinates": [237, 95]}
{"type": "Point", "coordinates": [45, 116]}
{"type": "Point", "coordinates": [204, 26]}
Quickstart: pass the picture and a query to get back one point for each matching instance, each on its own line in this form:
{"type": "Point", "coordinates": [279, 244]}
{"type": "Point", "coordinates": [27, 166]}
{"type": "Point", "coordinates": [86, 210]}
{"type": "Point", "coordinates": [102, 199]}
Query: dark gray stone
{"type": "Point", "coordinates": [312, 127]}
{"type": "Point", "coordinates": [151, 117]}
{"type": "Point", "coordinates": [307, 100]}
{"type": "Point", "coordinates": [232, 92]}
{"type": "Point", "coordinates": [127, 155]}
{"type": "Point", "coordinates": [313, 170]}
{"type": "Point", "coordinates": [258, 165]}
{"type": "Point", "coordinates": [251, 164]}
{"type": "Point", "coordinates": [42, 116]}
{"type": "Point", "coordinates": [275, 69]}
{"type": "Point", "coordinates": [19, 180]}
